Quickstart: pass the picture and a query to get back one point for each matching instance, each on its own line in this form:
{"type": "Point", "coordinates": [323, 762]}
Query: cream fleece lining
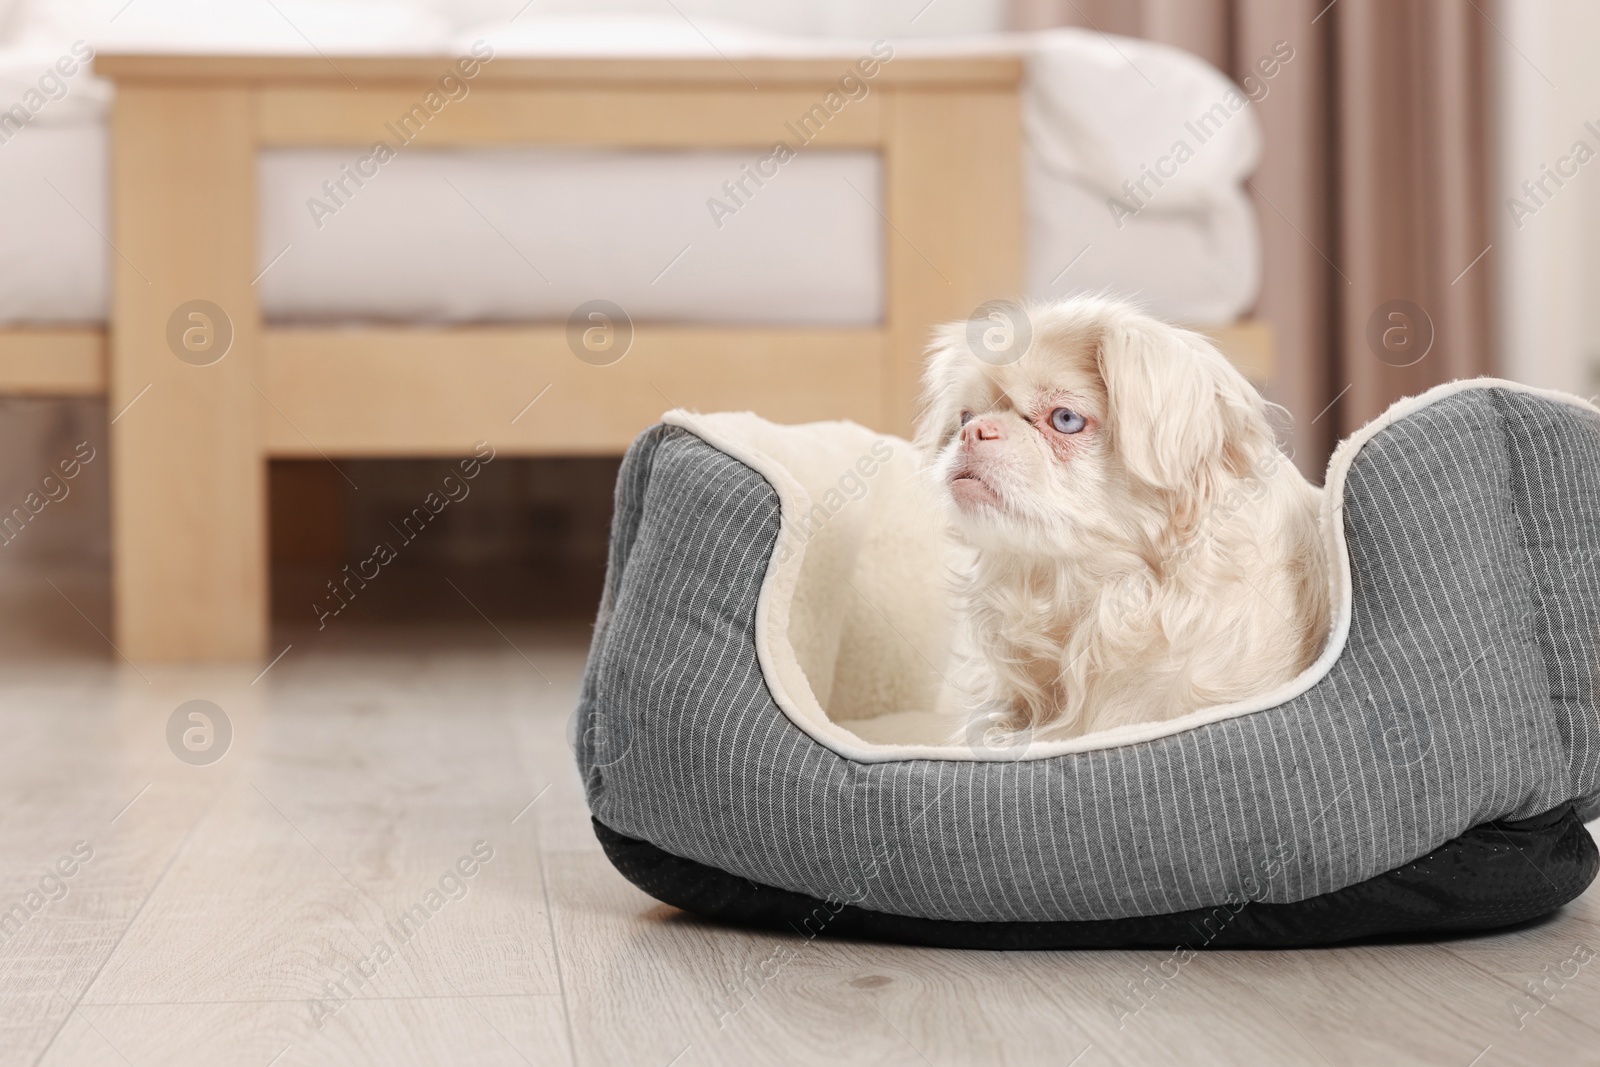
{"type": "Point", "coordinates": [854, 613]}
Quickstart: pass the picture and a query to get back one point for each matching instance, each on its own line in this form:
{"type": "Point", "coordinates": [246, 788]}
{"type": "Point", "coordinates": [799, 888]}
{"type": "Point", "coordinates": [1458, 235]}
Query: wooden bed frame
{"type": "Point", "coordinates": [190, 444]}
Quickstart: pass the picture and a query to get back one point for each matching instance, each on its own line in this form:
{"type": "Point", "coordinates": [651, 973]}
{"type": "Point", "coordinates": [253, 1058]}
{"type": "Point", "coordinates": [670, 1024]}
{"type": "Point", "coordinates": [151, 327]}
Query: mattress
{"type": "Point", "coordinates": [484, 235]}
{"type": "Point", "coordinates": [529, 234]}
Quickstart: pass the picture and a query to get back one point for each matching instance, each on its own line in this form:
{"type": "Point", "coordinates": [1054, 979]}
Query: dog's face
{"type": "Point", "coordinates": [1111, 427]}
{"type": "Point", "coordinates": [1025, 457]}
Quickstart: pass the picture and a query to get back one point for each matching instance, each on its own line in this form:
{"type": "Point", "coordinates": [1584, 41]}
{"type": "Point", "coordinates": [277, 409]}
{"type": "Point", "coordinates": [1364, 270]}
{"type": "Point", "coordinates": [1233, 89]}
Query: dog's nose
{"type": "Point", "coordinates": [980, 429]}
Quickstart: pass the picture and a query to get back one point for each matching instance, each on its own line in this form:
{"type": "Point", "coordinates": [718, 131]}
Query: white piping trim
{"type": "Point", "coordinates": [793, 694]}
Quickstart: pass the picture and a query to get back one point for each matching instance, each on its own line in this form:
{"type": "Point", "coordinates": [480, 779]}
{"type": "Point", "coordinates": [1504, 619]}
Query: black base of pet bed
{"type": "Point", "coordinates": [1491, 876]}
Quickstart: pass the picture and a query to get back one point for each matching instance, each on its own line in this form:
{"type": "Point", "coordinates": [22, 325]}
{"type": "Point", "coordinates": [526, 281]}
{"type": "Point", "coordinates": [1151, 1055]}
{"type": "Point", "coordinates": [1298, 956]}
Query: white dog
{"type": "Point", "coordinates": [1139, 546]}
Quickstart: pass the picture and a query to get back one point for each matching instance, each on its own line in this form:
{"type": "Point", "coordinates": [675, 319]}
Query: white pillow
{"type": "Point", "coordinates": [889, 19]}
{"type": "Point", "coordinates": [53, 84]}
{"type": "Point", "coordinates": [1101, 111]}
{"type": "Point", "coordinates": [624, 34]}
{"type": "Point", "coordinates": [289, 26]}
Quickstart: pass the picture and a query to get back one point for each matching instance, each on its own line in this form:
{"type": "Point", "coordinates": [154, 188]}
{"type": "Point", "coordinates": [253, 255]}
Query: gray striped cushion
{"type": "Point", "coordinates": [1466, 693]}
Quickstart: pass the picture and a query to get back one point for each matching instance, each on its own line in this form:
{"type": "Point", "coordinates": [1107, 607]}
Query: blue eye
{"type": "Point", "coordinates": [1063, 420]}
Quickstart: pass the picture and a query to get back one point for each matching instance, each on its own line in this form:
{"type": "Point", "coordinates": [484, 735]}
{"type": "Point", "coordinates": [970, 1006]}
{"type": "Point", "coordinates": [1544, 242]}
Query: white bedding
{"type": "Point", "coordinates": [485, 235]}
{"type": "Point", "coordinates": [529, 234]}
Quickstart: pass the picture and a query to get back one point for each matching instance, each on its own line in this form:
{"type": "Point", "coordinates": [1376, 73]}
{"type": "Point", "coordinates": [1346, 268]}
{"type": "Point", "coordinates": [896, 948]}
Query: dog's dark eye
{"type": "Point", "coordinates": [1063, 420]}
{"type": "Point", "coordinates": [966, 417]}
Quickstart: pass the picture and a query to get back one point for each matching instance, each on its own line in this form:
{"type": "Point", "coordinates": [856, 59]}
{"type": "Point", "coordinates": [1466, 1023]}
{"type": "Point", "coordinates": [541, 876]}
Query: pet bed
{"type": "Point", "coordinates": [753, 749]}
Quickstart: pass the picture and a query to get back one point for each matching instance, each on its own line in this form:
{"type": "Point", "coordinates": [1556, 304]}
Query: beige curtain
{"type": "Point", "coordinates": [1373, 191]}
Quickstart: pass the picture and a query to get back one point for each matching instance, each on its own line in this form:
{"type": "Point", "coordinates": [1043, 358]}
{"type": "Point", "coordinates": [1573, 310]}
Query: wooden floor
{"type": "Point", "coordinates": [223, 902]}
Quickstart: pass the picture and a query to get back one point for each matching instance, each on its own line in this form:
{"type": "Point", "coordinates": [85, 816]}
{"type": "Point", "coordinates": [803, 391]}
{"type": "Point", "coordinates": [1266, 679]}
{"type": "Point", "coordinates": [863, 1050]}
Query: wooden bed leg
{"type": "Point", "coordinates": [188, 472]}
{"type": "Point", "coordinates": [953, 186]}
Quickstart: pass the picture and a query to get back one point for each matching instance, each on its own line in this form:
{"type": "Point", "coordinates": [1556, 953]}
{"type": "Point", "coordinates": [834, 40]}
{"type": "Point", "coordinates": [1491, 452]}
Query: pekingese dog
{"type": "Point", "coordinates": [1139, 547]}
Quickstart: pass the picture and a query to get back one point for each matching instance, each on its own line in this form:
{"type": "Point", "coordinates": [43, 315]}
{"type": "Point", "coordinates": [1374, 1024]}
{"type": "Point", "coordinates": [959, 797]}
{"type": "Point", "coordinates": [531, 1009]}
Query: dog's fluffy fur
{"type": "Point", "coordinates": [1164, 557]}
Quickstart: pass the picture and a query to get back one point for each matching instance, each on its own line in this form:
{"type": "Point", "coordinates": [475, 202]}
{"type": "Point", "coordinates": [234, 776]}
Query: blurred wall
{"type": "Point", "coordinates": [1549, 224]}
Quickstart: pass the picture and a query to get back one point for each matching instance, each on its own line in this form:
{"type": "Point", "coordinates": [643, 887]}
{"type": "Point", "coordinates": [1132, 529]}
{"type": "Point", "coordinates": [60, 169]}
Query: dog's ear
{"type": "Point", "coordinates": [943, 376]}
{"type": "Point", "coordinates": [1179, 411]}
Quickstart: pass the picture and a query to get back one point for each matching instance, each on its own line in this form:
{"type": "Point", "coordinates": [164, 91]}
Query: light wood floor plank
{"type": "Point", "coordinates": [365, 763]}
{"type": "Point", "coordinates": [337, 825]}
{"type": "Point", "coordinates": [79, 779]}
{"type": "Point", "coordinates": [470, 1032]}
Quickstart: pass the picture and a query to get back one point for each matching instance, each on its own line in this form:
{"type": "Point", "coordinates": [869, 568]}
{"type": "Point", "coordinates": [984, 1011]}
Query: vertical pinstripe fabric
{"type": "Point", "coordinates": [1466, 693]}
